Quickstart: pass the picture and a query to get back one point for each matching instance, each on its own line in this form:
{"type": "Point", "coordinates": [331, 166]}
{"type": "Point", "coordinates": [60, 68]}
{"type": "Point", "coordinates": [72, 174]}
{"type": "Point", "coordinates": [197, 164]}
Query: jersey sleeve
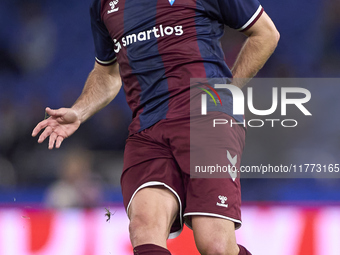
{"type": "Point", "coordinates": [237, 14]}
{"type": "Point", "coordinates": [104, 46]}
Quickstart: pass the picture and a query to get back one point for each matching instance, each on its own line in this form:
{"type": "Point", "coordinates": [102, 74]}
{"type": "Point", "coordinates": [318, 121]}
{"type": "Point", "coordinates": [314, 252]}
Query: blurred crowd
{"type": "Point", "coordinates": [46, 53]}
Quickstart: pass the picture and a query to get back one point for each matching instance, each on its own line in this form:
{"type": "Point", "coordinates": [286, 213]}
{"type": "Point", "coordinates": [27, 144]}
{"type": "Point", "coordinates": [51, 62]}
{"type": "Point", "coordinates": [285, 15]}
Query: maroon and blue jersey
{"type": "Point", "coordinates": [161, 44]}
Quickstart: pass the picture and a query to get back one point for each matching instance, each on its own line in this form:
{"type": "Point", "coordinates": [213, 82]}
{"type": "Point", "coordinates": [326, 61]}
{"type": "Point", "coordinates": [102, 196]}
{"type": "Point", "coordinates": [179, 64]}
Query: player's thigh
{"type": "Point", "coordinates": [152, 212]}
{"type": "Point", "coordinates": [214, 235]}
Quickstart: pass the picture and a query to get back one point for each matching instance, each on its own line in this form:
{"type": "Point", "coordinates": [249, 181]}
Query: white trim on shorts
{"type": "Point", "coordinates": [213, 215]}
{"type": "Point", "coordinates": [157, 183]}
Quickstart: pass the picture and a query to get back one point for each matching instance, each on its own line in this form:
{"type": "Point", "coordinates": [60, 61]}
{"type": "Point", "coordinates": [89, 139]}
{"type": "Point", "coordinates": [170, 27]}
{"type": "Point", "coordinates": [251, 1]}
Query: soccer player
{"type": "Point", "coordinates": [155, 47]}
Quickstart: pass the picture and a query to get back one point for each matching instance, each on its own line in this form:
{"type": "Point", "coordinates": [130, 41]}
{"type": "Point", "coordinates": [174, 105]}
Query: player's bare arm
{"type": "Point", "coordinates": [101, 87]}
{"type": "Point", "coordinates": [260, 44]}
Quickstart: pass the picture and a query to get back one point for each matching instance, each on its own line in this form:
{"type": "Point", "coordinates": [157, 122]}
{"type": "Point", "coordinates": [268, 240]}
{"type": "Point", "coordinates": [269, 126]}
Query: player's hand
{"type": "Point", "coordinates": [61, 124]}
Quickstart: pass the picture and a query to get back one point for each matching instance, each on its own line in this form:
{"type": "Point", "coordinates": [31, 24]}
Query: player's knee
{"type": "Point", "coordinates": [143, 228]}
{"type": "Point", "coordinates": [218, 247]}
{"type": "Point", "coordinates": [140, 224]}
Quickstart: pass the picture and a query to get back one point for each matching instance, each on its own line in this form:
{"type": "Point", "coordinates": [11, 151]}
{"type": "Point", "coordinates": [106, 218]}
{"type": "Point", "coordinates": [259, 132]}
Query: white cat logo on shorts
{"type": "Point", "coordinates": [223, 200]}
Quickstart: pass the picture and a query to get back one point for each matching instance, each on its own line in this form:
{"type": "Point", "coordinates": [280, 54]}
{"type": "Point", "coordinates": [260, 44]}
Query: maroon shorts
{"type": "Point", "coordinates": [160, 155]}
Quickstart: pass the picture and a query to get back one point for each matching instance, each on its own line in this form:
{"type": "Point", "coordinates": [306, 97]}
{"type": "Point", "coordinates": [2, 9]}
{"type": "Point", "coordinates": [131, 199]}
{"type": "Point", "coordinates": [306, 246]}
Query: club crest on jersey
{"type": "Point", "coordinates": [113, 6]}
{"type": "Point", "coordinates": [171, 2]}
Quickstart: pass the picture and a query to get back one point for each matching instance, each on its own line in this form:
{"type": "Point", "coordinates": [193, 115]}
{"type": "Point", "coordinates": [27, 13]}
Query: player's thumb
{"type": "Point", "coordinates": [55, 113]}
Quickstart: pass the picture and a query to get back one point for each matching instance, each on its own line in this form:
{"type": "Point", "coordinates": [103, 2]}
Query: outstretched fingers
{"type": "Point", "coordinates": [53, 137]}
{"type": "Point", "coordinates": [47, 132]}
{"type": "Point", "coordinates": [58, 142]}
{"type": "Point", "coordinates": [41, 125]}
{"type": "Point", "coordinates": [58, 125]}
{"type": "Point", "coordinates": [55, 141]}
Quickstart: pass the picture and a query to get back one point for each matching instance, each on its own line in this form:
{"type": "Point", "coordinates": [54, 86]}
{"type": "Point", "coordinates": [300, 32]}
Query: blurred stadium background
{"type": "Point", "coordinates": [53, 202]}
